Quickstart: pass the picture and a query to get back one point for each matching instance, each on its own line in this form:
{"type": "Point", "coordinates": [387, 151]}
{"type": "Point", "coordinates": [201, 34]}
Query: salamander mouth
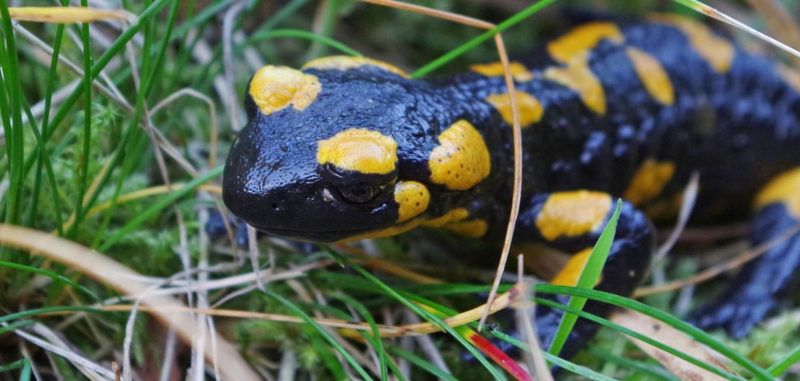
{"type": "Point", "coordinates": [311, 235]}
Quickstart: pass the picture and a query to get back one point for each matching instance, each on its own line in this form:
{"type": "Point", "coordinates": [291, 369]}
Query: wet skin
{"type": "Point", "coordinates": [350, 148]}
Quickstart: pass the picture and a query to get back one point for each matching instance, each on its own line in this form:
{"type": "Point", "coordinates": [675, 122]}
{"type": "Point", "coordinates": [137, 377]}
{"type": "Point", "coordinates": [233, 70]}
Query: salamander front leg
{"type": "Point", "coordinates": [572, 222]}
{"type": "Point", "coordinates": [761, 284]}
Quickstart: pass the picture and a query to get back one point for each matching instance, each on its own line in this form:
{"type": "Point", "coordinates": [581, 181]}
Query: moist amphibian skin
{"type": "Point", "coordinates": [347, 148]}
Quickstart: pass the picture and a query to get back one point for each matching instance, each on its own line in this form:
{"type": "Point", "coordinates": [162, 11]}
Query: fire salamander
{"type": "Point", "coordinates": [348, 148]}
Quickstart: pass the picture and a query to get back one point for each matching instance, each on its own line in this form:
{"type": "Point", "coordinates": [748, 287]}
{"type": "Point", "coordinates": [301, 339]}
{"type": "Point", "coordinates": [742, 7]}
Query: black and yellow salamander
{"type": "Point", "coordinates": [348, 148]}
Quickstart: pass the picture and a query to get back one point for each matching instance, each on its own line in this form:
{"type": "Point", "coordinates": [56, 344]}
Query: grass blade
{"type": "Point", "coordinates": [327, 336]}
{"type": "Point", "coordinates": [158, 206]}
{"type": "Point", "coordinates": [694, 332]}
{"type": "Point", "coordinates": [588, 279]}
{"type": "Point", "coordinates": [782, 365]}
{"type": "Point", "coordinates": [50, 274]}
{"type": "Point", "coordinates": [471, 44]}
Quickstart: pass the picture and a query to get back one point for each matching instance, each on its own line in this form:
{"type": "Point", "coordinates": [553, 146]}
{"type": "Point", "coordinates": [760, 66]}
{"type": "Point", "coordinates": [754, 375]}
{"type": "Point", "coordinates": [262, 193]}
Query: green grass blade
{"type": "Point", "coordinates": [421, 363]}
{"type": "Point", "coordinates": [471, 44]}
{"type": "Point", "coordinates": [305, 35]}
{"type": "Point", "coordinates": [44, 160]}
{"type": "Point", "coordinates": [388, 290]}
{"type": "Point", "coordinates": [13, 365]}
{"type": "Point", "coordinates": [575, 368]}
{"type": "Point", "coordinates": [782, 365]}
{"type": "Point", "coordinates": [395, 369]}
{"type": "Point", "coordinates": [158, 206]}
{"type": "Point", "coordinates": [14, 132]}
{"type": "Point", "coordinates": [284, 13]}
{"type": "Point", "coordinates": [50, 274]}
{"type": "Point", "coordinates": [116, 47]}
{"type": "Point", "coordinates": [375, 338]}
{"type": "Point", "coordinates": [690, 330]}
{"type": "Point", "coordinates": [589, 277]}
{"type": "Point", "coordinates": [636, 335]}
{"type": "Point", "coordinates": [331, 341]}
{"type": "Point", "coordinates": [15, 325]}
{"type": "Point", "coordinates": [82, 164]}
{"type": "Point", "coordinates": [651, 371]}
{"type": "Point", "coordinates": [47, 310]}
{"type": "Point", "coordinates": [25, 375]}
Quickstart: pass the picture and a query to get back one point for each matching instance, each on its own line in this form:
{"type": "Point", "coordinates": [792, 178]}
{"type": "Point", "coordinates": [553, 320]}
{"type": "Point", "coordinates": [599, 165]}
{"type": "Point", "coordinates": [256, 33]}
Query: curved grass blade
{"type": "Point", "coordinates": [50, 274]}
{"type": "Point", "coordinates": [422, 364]}
{"type": "Point", "coordinates": [588, 279]}
{"type": "Point", "coordinates": [48, 310]}
{"type": "Point", "coordinates": [327, 336]}
{"type": "Point", "coordinates": [782, 365]}
{"type": "Point", "coordinates": [636, 335]}
{"type": "Point", "coordinates": [692, 331]}
{"type": "Point", "coordinates": [375, 338]}
{"type": "Point", "coordinates": [490, 350]}
{"type": "Point", "coordinates": [471, 44]}
{"type": "Point", "coordinates": [653, 372]}
{"type": "Point", "coordinates": [13, 365]}
{"type": "Point", "coordinates": [305, 35]}
{"type": "Point", "coordinates": [158, 206]}
{"type": "Point", "coordinates": [388, 290]}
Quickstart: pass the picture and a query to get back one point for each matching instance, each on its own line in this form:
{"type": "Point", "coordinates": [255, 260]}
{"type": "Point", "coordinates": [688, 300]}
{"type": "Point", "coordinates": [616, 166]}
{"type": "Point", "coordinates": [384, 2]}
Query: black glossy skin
{"type": "Point", "coordinates": [737, 129]}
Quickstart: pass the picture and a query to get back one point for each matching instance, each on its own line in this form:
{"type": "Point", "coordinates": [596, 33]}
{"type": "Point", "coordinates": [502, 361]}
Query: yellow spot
{"type": "Point", "coordinates": [452, 216]}
{"type": "Point", "coordinates": [572, 213]}
{"type": "Point", "coordinates": [569, 275]}
{"type": "Point", "coordinates": [360, 150]}
{"type": "Point", "coordinates": [653, 76]}
{"type": "Point", "coordinates": [473, 228]}
{"type": "Point", "coordinates": [530, 110]}
{"type": "Point", "coordinates": [412, 199]}
{"type": "Point", "coordinates": [665, 209]}
{"type": "Point", "coordinates": [349, 62]}
{"type": "Point", "coordinates": [792, 77]}
{"type": "Point", "coordinates": [582, 39]}
{"type": "Point", "coordinates": [274, 88]}
{"type": "Point", "coordinates": [461, 160]}
{"type": "Point", "coordinates": [579, 78]}
{"type": "Point", "coordinates": [386, 232]}
{"type": "Point", "coordinates": [717, 51]}
{"type": "Point", "coordinates": [648, 181]}
{"type": "Point", "coordinates": [495, 69]}
{"type": "Point", "coordinates": [783, 189]}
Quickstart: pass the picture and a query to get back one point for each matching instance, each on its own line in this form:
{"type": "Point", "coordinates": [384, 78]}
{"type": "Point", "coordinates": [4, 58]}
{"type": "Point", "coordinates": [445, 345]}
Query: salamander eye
{"type": "Point", "coordinates": [362, 193]}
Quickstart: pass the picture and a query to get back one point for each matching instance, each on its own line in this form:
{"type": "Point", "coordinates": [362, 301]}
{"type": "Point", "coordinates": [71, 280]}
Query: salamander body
{"type": "Point", "coordinates": [349, 148]}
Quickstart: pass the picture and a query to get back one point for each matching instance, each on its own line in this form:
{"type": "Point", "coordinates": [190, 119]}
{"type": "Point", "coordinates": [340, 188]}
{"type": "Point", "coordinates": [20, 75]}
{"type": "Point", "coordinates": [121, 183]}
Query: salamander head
{"type": "Point", "coordinates": [333, 152]}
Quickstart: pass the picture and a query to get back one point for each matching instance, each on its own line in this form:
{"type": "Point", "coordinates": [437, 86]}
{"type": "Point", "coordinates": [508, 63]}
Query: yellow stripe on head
{"type": "Point", "coordinates": [274, 88]}
{"type": "Point", "coordinates": [717, 51]}
{"type": "Point", "coordinates": [649, 181]}
{"type": "Point", "coordinates": [578, 42]}
{"type": "Point", "coordinates": [519, 72]}
{"type": "Point", "coordinates": [530, 109]}
{"type": "Point", "coordinates": [578, 77]}
{"type": "Point", "coordinates": [350, 62]}
{"type": "Point", "coordinates": [450, 217]}
{"type": "Point", "coordinates": [653, 76]}
{"type": "Point", "coordinates": [462, 159]}
{"type": "Point", "coordinates": [473, 228]}
{"type": "Point", "coordinates": [570, 214]}
{"type": "Point", "coordinates": [360, 150]}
